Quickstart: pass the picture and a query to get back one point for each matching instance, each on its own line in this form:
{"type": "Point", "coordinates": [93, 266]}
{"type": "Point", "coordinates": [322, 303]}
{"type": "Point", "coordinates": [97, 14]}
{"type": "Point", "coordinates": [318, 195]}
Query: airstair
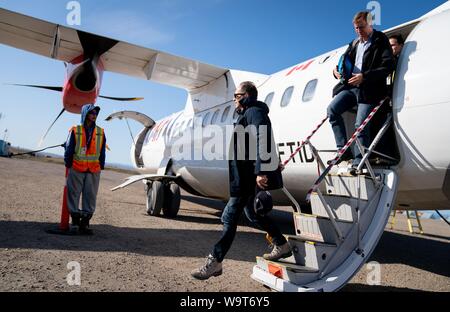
{"type": "Point", "coordinates": [349, 213]}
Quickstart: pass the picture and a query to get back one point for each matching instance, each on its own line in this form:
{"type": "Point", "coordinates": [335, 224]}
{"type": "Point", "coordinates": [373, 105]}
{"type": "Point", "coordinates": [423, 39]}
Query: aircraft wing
{"type": "Point", "coordinates": [136, 178]}
{"type": "Point", "coordinates": [63, 43]}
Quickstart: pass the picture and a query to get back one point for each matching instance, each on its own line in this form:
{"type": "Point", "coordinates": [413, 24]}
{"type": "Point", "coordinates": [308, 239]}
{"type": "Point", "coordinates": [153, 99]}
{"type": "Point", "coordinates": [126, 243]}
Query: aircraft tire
{"type": "Point", "coordinates": [155, 198]}
{"type": "Point", "coordinates": [171, 201]}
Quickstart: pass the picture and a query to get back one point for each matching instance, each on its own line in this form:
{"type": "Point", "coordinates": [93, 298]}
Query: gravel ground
{"type": "Point", "coordinates": [132, 251]}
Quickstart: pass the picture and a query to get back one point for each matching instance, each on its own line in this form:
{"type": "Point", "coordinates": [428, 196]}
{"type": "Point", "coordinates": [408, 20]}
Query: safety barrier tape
{"type": "Point", "coordinates": [297, 150]}
{"type": "Point", "coordinates": [344, 149]}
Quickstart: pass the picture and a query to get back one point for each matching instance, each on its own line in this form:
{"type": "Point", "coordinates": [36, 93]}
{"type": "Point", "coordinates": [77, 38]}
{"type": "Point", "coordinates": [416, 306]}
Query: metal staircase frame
{"type": "Point", "coordinates": [359, 174]}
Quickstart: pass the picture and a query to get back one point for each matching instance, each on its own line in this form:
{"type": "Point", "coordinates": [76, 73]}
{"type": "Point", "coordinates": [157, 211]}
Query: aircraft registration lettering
{"type": "Point", "coordinates": [286, 149]}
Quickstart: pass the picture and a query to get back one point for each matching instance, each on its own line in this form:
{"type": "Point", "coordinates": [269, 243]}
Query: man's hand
{"type": "Point", "coordinates": [356, 80]}
{"type": "Point", "coordinates": [336, 73]}
{"type": "Point", "coordinates": [261, 181]}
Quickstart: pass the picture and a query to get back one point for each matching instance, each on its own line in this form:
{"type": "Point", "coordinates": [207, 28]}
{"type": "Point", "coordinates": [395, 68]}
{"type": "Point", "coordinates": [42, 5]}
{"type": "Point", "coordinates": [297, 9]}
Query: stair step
{"type": "Point", "coordinates": [318, 228]}
{"type": "Point", "coordinates": [297, 274]}
{"type": "Point", "coordinates": [309, 240]}
{"type": "Point", "coordinates": [347, 185]}
{"type": "Point", "coordinates": [311, 254]}
{"type": "Point", "coordinates": [344, 207]}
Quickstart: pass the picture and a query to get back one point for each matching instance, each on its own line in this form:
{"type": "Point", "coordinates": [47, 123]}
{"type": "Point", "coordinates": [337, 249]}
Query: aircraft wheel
{"type": "Point", "coordinates": [172, 200]}
{"type": "Point", "coordinates": [155, 198]}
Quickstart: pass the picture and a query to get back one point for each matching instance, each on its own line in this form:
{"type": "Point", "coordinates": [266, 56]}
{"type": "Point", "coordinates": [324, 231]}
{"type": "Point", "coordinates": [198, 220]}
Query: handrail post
{"type": "Point", "coordinates": [293, 200]}
{"type": "Point", "coordinates": [330, 215]}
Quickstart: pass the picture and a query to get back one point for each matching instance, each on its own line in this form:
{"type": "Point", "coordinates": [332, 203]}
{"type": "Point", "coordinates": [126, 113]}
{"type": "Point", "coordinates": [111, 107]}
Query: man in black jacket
{"type": "Point", "coordinates": [254, 160]}
{"type": "Point", "coordinates": [370, 60]}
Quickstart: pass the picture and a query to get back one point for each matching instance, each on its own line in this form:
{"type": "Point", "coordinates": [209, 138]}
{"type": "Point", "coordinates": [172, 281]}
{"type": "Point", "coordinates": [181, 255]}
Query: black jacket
{"type": "Point", "coordinates": [243, 170]}
{"type": "Point", "coordinates": [378, 63]}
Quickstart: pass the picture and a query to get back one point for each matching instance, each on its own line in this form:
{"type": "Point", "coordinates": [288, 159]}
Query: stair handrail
{"type": "Point", "coordinates": [303, 143]}
{"type": "Point", "coordinates": [297, 150]}
{"type": "Point", "coordinates": [344, 149]}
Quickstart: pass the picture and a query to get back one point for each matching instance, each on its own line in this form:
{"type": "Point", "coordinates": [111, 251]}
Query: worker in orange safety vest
{"type": "Point", "coordinates": [85, 157]}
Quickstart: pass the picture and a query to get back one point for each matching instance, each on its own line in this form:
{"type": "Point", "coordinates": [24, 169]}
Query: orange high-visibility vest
{"type": "Point", "coordinates": [87, 159]}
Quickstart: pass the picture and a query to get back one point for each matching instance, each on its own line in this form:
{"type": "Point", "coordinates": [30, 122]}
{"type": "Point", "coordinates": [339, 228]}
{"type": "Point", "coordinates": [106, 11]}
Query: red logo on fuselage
{"type": "Point", "coordinates": [300, 67]}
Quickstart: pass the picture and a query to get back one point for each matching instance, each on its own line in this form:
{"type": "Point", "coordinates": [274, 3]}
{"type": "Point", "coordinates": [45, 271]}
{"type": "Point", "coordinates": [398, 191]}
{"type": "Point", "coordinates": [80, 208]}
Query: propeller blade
{"type": "Point", "coordinates": [59, 89]}
{"type": "Point", "coordinates": [121, 99]}
{"type": "Point", "coordinates": [43, 137]}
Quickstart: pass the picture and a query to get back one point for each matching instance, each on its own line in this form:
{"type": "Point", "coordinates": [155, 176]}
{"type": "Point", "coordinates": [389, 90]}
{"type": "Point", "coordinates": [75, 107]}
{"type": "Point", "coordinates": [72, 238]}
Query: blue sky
{"type": "Point", "coordinates": [255, 35]}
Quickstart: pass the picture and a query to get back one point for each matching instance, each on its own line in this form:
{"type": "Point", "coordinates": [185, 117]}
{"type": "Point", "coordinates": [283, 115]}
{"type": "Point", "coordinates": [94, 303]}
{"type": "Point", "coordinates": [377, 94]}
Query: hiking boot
{"type": "Point", "coordinates": [345, 157]}
{"type": "Point", "coordinates": [278, 252]}
{"type": "Point", "coordinates": [210, 268]}
{"type": "Point", "coordinates": [83, 228]}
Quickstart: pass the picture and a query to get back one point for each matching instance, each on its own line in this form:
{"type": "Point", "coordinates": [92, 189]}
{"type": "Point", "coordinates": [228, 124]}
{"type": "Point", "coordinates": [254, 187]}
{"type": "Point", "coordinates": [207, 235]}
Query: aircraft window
{"type": "Point", "coordinates": [269, 98]}
{"type": "Point", "coordinates": [287, 97]}
{"type": "Point", "coordinates": [225, 114]}
{"type": "Point", "coordinates": [205, 119]}
{"type": "Point", "coordinates": [310, 89]}
{"type": "Point", "coordinates": [214, 117]}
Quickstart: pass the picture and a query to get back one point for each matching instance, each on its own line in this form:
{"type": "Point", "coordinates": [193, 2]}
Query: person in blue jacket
{"type": "Point", "coordinates": [85, 157]}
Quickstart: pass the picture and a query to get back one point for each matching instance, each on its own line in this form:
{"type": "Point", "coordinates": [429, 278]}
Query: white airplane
{"type": "Point", "coordinates": [341, 232]}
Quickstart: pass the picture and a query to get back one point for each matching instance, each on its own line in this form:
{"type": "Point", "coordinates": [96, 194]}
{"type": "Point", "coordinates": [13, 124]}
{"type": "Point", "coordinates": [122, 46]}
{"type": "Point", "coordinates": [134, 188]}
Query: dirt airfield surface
{"type": "Point", "coordinates": [131, 251]}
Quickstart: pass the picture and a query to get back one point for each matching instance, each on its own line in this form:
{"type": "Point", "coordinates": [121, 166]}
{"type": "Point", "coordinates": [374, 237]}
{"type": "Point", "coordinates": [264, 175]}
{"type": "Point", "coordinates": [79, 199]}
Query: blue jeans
{"type": "Point", "coordinates": [230, 218]}
{"type": "Point", "coordinates": [341, 103]}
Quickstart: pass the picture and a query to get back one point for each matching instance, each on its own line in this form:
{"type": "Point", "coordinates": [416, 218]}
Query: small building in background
{"type": "Point", "coordinates": [5, 149]}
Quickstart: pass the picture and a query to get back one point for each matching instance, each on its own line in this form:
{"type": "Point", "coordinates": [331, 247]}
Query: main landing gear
{"type": "Point", "coordinates": [163, 196]}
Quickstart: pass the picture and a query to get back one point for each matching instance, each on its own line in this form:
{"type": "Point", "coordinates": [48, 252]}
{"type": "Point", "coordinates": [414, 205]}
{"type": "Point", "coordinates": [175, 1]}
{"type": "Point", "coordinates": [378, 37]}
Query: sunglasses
{"type": "Point", "coordinates": [238, 95]}
{"type": "Point", "coordinates": [93, 112]}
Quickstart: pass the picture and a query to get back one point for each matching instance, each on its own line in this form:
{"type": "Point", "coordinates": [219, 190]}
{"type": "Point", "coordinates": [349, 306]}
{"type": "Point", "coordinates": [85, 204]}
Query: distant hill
{"type": "Point", "coordinates": [52, 157]}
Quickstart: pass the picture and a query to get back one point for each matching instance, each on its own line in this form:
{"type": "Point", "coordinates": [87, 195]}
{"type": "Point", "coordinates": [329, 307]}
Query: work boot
{"type": "Point", "coordinates": [211, 268]}
{"type": "Point", "coordinates": [84, 229]}
{"type": "Point", "coordinates": [75, 219]}
{"type": "Point", "coordinates": [278, 252]}
{"type": "Point", "coordinates": [379, 161]}
{"type": "Point", "coordinates": [345, 157]}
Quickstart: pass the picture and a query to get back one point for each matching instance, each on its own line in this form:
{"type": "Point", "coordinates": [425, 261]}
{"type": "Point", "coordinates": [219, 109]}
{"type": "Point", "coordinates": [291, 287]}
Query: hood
{"type": "Point", "coordinates": [86, 109]}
